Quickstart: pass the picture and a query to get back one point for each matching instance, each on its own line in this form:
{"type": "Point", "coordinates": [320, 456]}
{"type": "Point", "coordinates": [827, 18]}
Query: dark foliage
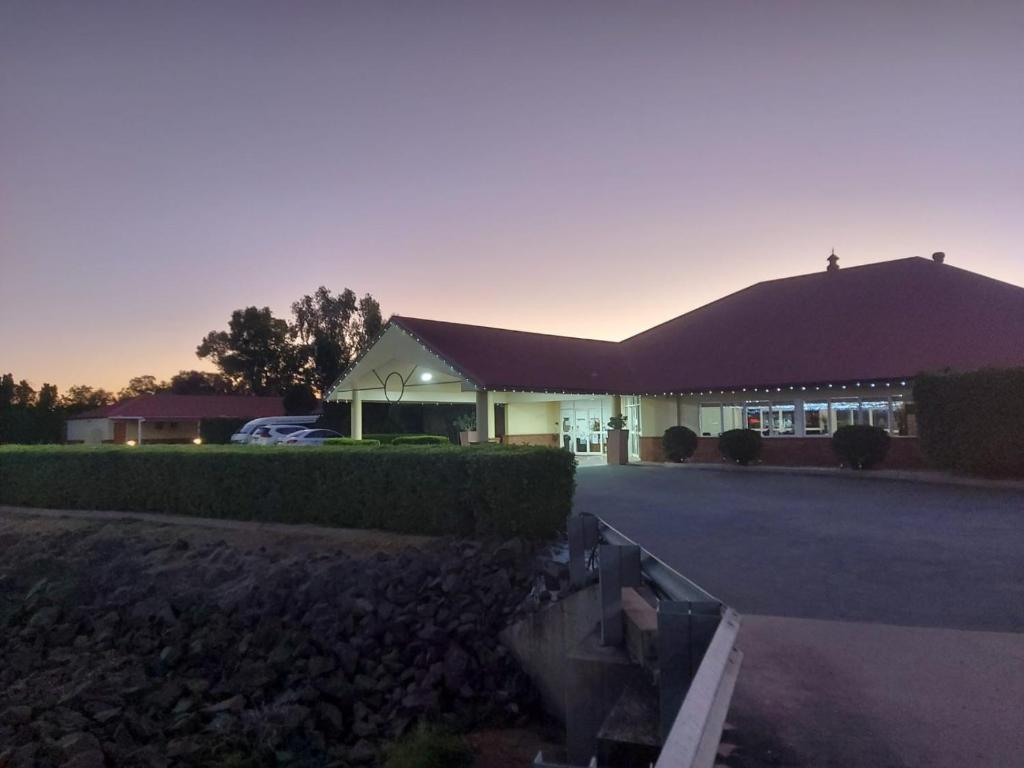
{"type": "Point", "coordinates": [499, 490]}
{"type": "Point", "coordinates": [679, 443]}
{"type": "Point", "coordinates": [219, 431]}
{"type": "Point", "coordinates": [300, 400]}
{"type": "Point", "coordinates": [861, 446]}
{"type": "Point", "coordinates": [973, 422]}
{"type": "Point", "coordinates": [421, 440]}
{"type": "Point", "coordinates": [741, 446]}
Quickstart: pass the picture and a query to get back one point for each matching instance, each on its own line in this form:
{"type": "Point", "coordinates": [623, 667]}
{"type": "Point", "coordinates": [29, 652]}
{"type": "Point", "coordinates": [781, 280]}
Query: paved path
{"type": "Point", "coordinates": [884, 621]}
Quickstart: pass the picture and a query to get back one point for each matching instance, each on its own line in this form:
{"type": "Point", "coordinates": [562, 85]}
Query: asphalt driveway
{"type": "Point", "coordinates": [884, 621]}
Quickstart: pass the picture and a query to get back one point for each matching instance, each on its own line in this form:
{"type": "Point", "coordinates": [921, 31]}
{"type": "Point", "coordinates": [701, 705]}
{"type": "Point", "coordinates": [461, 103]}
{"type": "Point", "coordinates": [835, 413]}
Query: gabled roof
{"type": "Point", "coordinates": [497, 358]}
{"type": "Point", "coordinates": [169, 407]}
{"type": "Point", "coordinates": [885, 321]}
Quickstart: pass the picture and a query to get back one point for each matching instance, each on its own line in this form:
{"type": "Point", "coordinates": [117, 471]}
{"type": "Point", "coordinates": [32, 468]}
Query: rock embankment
{"type": "Point", "coordinates": [139, 651]}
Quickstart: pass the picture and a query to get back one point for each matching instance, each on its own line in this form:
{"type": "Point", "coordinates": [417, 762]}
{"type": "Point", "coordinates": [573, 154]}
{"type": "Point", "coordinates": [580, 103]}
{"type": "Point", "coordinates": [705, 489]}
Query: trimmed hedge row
{"type": "Point", "coordinates": [500, 491]}
{"type": "Point", "coordinates": [387, 438]}
{"type": "Point", "coordinates": [352, 441]}
{"type": "Point", "coordinates": [972, 422]}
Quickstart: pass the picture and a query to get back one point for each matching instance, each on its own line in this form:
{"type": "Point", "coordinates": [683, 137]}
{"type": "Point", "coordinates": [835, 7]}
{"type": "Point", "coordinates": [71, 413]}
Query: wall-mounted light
{"type": "Point", "coordinates": [426, 376]}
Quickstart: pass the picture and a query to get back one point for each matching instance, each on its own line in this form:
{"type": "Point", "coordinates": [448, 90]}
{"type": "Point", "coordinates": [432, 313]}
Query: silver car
{"type": "Point", "coordinates": [310, 437]}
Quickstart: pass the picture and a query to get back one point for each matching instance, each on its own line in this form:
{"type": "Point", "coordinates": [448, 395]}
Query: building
{"type": "Point", "coordinates": [794, 358]}
{"type": "Point", "coordinates": [166, 418]}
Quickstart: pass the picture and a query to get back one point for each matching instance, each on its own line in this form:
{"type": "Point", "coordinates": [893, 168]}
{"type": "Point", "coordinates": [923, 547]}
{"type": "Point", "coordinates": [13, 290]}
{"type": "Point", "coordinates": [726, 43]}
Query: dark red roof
{"type": "Point", "coordinates": [502, 359]}
{"type": "Point", "coordinates": [890, 320]}
{"type": "Point", "coordinates": [168, 407]}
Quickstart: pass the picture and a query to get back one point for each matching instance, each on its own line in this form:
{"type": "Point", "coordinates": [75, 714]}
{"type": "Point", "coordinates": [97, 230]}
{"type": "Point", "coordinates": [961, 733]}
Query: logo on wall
{"type": "Point", "coordinates": [394, 387]}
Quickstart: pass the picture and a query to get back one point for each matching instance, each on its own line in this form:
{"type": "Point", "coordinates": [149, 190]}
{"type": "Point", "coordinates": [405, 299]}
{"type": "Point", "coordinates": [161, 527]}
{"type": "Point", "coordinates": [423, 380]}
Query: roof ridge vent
{"type": "Point", "coordinates": [833, 262]}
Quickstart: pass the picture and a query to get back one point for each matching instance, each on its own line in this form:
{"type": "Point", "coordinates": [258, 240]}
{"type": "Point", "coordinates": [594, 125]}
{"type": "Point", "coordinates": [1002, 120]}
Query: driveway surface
{"type": "Point", "coordinates": [883, 621]}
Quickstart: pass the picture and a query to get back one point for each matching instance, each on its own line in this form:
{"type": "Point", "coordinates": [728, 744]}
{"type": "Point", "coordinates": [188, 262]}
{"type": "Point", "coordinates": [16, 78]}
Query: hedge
{"type": "Point", "coordinates": [421, 440]}
{"type": "Point", "coordinates": [498, 490]}
{"type": "Point", "coordinates": [350, 441]}
{"type": "Point", "coordinates": [387, 438]}
{"type": "Point", "coordinates": [972, 422]}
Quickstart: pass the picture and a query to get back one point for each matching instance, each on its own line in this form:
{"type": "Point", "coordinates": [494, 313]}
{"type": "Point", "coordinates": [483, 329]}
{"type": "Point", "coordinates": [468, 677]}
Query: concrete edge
{"type": "Point", "coordinates": [899, 475]}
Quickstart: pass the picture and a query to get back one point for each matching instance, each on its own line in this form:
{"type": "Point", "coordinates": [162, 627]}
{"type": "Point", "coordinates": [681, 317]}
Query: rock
{"type": "Point", "coordinates": [153, 608]}
{"type": "Point", "coordinates": [16, 715]}
{"type": "Point", "coordinates": [233, 704]}
{"type": "Point", "coordinates": [78, 742]}
{"type": "Point", "coordinates": [92, 758]}
{"type": "Point", "coordinates": [363, 752]}
{"type": "Point", "coordinates": [45, 618]}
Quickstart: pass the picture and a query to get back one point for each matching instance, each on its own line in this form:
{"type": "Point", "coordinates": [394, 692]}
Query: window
{"type": "Point", "coordinates": [900, 423]}
{"type": "Point", "coordinates": [782, 415]}
{"type": "Point", "coordinates": [732, 417]}
{"type": "Point", "coordinates": [844, 413]}
{"type": "Point", "coordinates": [710, 419]}
{"type": "Point", "coordinates": [631, 410]}
{"type": "Point", "coordinates": [816, 418]}
{"type": "Point", "coordinates": [756, 417]}
{"type": "Point", "coordinates": [875, 413]}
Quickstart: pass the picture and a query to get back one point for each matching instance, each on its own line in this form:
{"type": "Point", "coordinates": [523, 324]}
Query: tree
{"type": "Point", "coordinates": [332, 330]}
{"type": "Point", "coordinates": [254, 351]}
{"type": "Point", "coordinates": [82, 397]}
{"type": "Point", "coordinates": [142, 385]}
{"type": "Point", "coordinates": [300, 400]}
{"type": "Point", "coordinates": [47, 400]}
{"type": "Point", "coordinates": [202, 383]}
{"type": "Point", "coordinates": [6, 391]}
{"type": "Point", "coordinates": [24, 395]}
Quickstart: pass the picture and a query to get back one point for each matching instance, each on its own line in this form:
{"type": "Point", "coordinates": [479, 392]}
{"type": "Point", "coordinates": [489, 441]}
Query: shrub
{"type": "Point", "coordinates": [972, 422]}
{"type": "Point", "coordinates": [429, 747]}
{"type": "Point", "coordinates": [500, 490]}
{"type": "Point", "coordinates": [386, 438]}
{"type": "Point", "coordinates": [351, 441]}
{"type": "Point", "coordinates": [861, 446]}
{"type": "Point", "coordinates": [679, 443]}
{"type": "Point", "coordinates": [421, 440]}
{"type": "Point", "coordinates": [741, 446]}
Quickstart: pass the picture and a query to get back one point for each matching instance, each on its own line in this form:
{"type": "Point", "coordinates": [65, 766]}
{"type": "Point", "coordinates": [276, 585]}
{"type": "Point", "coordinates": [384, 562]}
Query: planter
{"type": "Point", "coordinates": [618, 446]}
{"type": "Point", "coordinates": [468, 437]}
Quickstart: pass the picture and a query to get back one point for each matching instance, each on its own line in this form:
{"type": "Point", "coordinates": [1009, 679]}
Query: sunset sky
{"type": "Point", "coordinates": [580, 168]}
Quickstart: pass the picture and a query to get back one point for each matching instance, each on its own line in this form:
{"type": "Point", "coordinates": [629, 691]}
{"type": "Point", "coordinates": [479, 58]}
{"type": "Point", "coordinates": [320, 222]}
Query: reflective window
{"type": "Point", "coordinates": [844, 413]}
{"type": "Point", "coordinates": [710, 419]}
{"type": "Point", "coordinates": [816, 418]}
{"type": "Point", "coordinates": [782, 415]}
{"type": "Point", "coordinates": [756, 417]}
{"type": "Point", "coordinates": [875, 413]}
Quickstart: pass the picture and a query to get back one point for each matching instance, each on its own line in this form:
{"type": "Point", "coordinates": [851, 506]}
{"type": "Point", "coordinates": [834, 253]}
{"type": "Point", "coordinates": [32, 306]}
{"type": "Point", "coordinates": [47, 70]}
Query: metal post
{"type": "Point", "coordinates": [685, 630]}
{"type": "Point", "coordinates": [620, 567]}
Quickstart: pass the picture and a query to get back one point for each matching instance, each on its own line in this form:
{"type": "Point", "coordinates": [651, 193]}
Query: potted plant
{"type": "Point", "coordinates": [466, 427]}
{"type": "Point", "coordinates": [618, 440]}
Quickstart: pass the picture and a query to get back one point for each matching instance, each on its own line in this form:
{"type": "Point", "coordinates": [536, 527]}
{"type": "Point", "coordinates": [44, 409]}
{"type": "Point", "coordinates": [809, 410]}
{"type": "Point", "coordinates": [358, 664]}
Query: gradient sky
{"type": "Point", "coordinates": [581, 168]}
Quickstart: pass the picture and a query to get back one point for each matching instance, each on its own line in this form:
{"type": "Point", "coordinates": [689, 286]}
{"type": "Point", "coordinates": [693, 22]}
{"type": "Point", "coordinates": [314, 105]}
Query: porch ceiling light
{"type": "Point", "coordinates": [426, 376]}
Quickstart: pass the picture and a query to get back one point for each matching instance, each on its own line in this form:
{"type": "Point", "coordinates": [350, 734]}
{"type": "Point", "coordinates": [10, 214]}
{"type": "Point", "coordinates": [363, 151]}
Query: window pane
{"type": "Point", "coordinates": [732, 417]}
{"type": "Point", "coordinates": [756, 417]}
{"type": "Point", "coordinates": [899, 416]}
{"type": "Point", "coordinates": [782, 419]}
{"type": "Point", "coordinates": [875, 413]}
{"type": "Point", "coordinates": [710, 419]}
{"type": "Point", "coordinates": [844, 413]}
{"type": "Point", "coordinates": [816, 418]}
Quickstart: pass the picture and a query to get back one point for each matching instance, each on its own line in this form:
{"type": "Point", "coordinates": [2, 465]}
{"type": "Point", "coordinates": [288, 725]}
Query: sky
{"type": "Point", "coordinates": [581, 168]}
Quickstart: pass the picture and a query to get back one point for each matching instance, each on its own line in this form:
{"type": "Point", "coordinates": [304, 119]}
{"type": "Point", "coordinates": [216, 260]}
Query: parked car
{"type": "Point", "coordinates": [310, 437]}
{"type": "Point", "coordinates": [274, 434]}
{"type": "Point", "coordinates": [242, 436]}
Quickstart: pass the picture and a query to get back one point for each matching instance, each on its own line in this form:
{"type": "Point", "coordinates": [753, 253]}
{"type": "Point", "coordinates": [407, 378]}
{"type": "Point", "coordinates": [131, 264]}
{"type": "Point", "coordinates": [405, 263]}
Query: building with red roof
{"type": "Point", "coordinates": [166, 418]}
{"type": "Point", "coordinates": [794, 358]}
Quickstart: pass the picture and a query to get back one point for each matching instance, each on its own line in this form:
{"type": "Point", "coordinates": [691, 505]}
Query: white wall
{"type": "Point", "coordinates": [531, 418]}
{"type": "Point", "coordinates": [90, 430]}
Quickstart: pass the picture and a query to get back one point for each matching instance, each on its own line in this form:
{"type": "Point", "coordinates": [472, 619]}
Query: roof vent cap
{"type": "Point", "coordinates": [833, 262]}
{"type": "Point", "coordinates": [938, 257]}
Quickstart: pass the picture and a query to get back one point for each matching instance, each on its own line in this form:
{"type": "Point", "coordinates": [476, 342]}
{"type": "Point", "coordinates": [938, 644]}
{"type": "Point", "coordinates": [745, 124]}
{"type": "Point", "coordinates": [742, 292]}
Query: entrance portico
{"type": "Point", "coordinates": [399, 368]}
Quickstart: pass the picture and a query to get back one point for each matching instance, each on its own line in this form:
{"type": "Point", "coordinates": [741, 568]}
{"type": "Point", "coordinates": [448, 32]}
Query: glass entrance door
{"type": "Point", "coordinates": [583, 427]}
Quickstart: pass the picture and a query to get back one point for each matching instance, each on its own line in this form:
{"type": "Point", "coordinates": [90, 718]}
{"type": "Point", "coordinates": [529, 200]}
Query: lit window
{"type": "Point", "coordinates": [816, 418]}
{"type": "Point", "coordinates": [710, 419]}
{"type": "Point", "coordinates": [782, 419]}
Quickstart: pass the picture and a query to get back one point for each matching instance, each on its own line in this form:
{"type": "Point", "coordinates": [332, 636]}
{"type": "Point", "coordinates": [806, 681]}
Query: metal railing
{"type": "Point", "coordinates": [696, 634]}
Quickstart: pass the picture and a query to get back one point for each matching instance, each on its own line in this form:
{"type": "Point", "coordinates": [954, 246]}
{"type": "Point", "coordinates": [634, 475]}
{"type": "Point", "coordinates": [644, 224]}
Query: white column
{"type": "Point", "coordinates": [799, 419]}
{"type": "Point", "coordinates": [138, 434]}
{"type": "Point", "coordinates": [356, 407]}
{"type": "Point", "coordinates": [484, 422]}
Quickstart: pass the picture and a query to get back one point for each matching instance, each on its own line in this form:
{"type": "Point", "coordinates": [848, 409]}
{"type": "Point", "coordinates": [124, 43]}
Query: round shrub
{"type": "Point", "coordinates": [741, 446]}
{"type": "Point", "coordinates": [421, 440]}
{"type": "Point", "coordinates": [860, 445]}
{"type": "Point", "coordinates": [679, 443]}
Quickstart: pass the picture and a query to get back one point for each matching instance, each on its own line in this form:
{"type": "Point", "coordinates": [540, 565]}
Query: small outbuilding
{"type": "Point", "coordinates": [166, 418]}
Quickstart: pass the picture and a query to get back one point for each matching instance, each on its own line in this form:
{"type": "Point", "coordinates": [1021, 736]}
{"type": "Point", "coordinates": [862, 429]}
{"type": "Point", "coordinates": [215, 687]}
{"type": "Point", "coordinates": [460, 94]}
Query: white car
{"type": "Point", "coordinates": [242, 436]}
{"type": "Point", "coordinates": [310, 437]}
{"type": "Point", "coordinates": [274, 434]}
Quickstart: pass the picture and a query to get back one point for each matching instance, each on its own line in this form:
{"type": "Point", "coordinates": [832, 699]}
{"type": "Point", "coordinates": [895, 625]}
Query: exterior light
{"type": "Point", "coordinates": [129, 442]}
{"type": "Point", "coordinates": [426, 376]}
{"type": "Point", "coordinates": [197, 440]}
